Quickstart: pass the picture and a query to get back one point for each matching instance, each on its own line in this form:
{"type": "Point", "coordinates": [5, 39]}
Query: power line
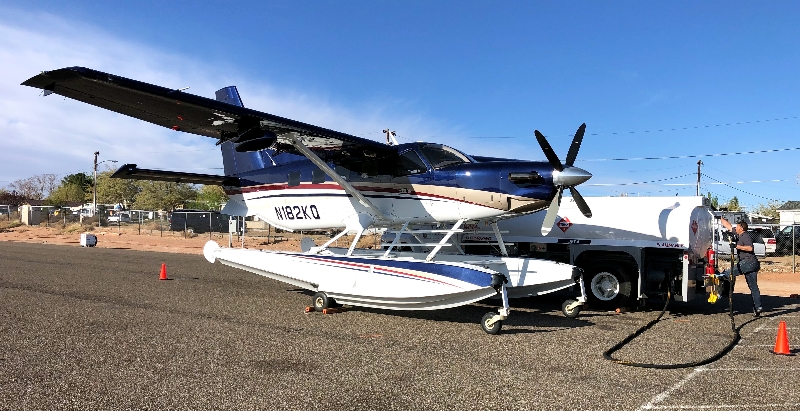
{"type": "Point", "coordinates": [696, 127]}
{"type": "Point", "coordinates": [673, 190]}
{"type": "Point", "coordinates": [766, 185]}
{"type": "Point", "coordinates": [614, 133]}
{"type": "Point", "coordinates": [695, 155]}
{"type": "Point", "coordinates": [644, 182]}
{"type": "Point", "coordinates": [737, 189]}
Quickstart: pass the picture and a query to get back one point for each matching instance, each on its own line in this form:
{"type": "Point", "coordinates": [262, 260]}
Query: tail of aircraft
{"type": "Point", "coordinates": [233, 161]}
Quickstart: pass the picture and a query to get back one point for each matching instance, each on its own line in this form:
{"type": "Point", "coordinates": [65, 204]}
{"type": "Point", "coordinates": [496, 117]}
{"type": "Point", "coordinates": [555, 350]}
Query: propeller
{"type": "Point", "coordinates": [564, 176]}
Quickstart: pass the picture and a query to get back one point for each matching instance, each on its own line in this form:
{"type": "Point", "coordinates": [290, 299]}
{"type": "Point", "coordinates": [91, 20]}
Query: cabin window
{"type": "Point", "coordinates": [317, 176]}
{"type": "Point", "coordinates": [342, 172]}
{"type": "Point", "coordinates": [410, 163]}
{"type": "Point", "coordinates": [294, 179]}
{"type": "Point", "coordinates": [440, 156]}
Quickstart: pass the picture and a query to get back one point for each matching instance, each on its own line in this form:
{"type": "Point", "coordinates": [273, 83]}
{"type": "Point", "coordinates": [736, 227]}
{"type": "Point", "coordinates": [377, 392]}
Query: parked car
{"type": "Point", "coordinates": [767, 237]}
{"type": "Point", "coordinates": [785, 243]}
{"type": "Point", "coordinates": [119, 218]}
{"type": "Point", "coordinates": [723, 238]}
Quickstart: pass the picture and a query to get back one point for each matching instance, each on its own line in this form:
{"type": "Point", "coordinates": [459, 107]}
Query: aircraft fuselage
{"type": "Point", "coordinates": [295, 194]}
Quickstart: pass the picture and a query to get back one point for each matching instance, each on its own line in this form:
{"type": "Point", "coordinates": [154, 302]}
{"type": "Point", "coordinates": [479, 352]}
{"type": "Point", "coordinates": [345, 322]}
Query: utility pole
{"type": "Point", "coordinates": [699, 163]}
{"type": "Point", "coordinates": [94, 183]}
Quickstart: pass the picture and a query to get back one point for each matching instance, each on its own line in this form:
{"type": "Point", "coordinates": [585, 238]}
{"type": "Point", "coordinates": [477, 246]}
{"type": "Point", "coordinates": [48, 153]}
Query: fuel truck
{"type": "Point", "coordinates": [632, 248]}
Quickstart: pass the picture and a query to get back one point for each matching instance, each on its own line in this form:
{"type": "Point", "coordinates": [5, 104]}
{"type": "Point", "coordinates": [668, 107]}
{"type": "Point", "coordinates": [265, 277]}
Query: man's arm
{"type": "Point", "coordinates": [726, 224]}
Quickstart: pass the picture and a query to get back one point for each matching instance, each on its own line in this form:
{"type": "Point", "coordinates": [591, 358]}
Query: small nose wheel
{"type": "Point", "coordinates": [491, 323]}
{"type": "Point", "coordinates": [571, 308]}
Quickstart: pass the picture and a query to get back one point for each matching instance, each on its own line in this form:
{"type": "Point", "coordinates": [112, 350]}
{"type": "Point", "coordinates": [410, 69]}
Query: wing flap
{"type": "Point", "coordinates": [130, 171]}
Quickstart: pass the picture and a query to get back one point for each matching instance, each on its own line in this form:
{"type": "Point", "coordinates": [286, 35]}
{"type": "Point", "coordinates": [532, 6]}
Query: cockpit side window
{"type": "Point", "coordinates": [442, 156]}
{"type": "Point", "coordinates": [409, 163]}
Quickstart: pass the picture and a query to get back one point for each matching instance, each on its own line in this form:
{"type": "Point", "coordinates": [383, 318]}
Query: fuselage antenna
{"type": "Point", "coordinates": [390, 137]}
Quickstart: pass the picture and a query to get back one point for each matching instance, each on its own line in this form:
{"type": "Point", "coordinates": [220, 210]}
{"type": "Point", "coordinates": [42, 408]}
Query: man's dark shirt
{"type": "Point", "coordinates": [746, 239]}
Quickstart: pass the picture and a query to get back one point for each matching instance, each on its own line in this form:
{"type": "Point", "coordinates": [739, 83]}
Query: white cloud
{"type": "Point", "coordinates": [57, 135]}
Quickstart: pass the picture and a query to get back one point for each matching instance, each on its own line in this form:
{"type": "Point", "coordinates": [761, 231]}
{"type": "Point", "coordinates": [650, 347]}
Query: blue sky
{"type": "Point", "coordinates": [479, 76]}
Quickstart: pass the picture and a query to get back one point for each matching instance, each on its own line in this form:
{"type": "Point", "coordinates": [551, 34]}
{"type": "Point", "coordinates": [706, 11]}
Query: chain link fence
{"type": "Point", "coordinates": [781, 243]}
{"type": "Point", "coordinates": [184, 223]}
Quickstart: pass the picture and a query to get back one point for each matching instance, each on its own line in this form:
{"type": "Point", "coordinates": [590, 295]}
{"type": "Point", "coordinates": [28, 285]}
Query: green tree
{"type": "Point", "coordinates": [209, 198]}
{"type": "Point", "coordinates": [162, 195]}
{"type": "Point", "coordinates": [770, 209]}
{"type": "Point", "coordinates": [714, 200]}
{"type": "Point", "coordinates": [67, 193]}
{"type": "Point", "coordinates": [115, 190]}
{"type": "Point", "coordinates": [74, 188]}
{"type": "Point", "coordinates": [82, 180]}
{"type": "Point", "coordinates": [733, 204]}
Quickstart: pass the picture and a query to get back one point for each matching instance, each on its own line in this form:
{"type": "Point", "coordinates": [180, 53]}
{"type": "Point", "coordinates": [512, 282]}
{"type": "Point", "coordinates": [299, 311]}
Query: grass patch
{"type": "Point", "coordinates": [7, 225]}
{"type": "Point", "coordinates": [76, 228]}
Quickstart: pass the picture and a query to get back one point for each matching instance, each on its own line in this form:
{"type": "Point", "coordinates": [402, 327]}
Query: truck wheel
{"type": "Point", "coordinates": [609, 287]}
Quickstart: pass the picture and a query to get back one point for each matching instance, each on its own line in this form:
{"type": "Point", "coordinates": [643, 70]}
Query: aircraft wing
{"type": "Point", "coordinates": [174, 109]}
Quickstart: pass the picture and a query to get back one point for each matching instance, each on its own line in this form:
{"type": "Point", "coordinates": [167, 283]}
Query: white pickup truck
{"type": "Point", "coordinates": [723, 238]}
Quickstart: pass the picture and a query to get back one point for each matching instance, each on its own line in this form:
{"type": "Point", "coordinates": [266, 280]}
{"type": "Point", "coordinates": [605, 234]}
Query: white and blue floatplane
{"type": "Point", "coordinates": [298, 176]}
{"type": "Point", "coordinates": [406, 280]}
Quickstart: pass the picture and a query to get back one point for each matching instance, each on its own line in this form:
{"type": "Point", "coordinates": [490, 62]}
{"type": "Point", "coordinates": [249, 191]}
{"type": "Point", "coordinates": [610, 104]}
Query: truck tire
{"type": "Point", "coordinates": [609, 287]}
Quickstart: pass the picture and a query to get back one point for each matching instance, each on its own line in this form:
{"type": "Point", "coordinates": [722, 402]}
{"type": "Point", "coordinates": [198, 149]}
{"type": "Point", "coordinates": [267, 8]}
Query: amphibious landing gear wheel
{"type": "Point", "coordinates": [490, 329]}
{"type": "Point", "coordinates": [574, 312]}
{"type": "Point", "coordinates": [322, 301]}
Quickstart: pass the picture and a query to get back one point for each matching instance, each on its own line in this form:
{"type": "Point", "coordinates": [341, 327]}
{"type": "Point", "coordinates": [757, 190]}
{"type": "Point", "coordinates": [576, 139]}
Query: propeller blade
{"type": "Point", "coordinates": [576, 145]}
{"type": "Point", "coordinates": [580, 202]}
{"type": "Point", "coordinates": [548, 151]}
{"type": "Point", "coordinates": [552, 213]}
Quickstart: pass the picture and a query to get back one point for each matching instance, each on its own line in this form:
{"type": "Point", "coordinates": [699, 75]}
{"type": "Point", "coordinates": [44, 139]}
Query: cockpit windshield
{"type": "Point", "coordinates": [440, 156]}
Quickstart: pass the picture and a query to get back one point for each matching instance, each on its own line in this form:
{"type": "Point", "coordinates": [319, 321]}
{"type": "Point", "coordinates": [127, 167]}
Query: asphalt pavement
{"type": "Point", "coordinates": [89, 328]}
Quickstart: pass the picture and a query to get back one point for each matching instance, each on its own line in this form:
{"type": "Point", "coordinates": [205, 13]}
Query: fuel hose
{"type": "Point", "coordinates": [734, 338]}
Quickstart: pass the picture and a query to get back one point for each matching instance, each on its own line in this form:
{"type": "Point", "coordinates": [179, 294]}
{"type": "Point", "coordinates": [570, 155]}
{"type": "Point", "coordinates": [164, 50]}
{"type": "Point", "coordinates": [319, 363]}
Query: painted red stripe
{"type": "Point", "coordinates": [363, 189]}
{"type": "Point", "coordinates": [380, 268]}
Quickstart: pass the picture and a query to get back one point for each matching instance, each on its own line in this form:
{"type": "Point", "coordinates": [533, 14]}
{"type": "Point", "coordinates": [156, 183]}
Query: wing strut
{"type": "Point", "coordinates": [349, 189]}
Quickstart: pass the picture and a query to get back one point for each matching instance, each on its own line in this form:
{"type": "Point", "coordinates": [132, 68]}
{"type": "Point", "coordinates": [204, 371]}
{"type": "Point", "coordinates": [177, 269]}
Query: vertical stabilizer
{"type": "Point", "coordinates": [234, 162]}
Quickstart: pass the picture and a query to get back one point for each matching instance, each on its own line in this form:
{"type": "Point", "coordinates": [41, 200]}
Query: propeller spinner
{"type": "Point", "coordinates": [564, 176]}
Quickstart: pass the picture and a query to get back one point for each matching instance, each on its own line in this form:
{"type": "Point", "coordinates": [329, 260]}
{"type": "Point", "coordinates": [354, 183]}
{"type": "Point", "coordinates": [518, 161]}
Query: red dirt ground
{"type": "Point", "coordinates": [776, 277]}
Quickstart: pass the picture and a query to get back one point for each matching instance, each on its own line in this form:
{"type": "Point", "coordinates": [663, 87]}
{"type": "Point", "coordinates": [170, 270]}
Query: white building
{"type": "Point", "coordinates": [790, 213]}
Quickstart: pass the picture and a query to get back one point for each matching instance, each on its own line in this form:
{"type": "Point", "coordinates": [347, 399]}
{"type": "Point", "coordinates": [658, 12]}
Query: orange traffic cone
{"type": "Point", "coordinates": [163, 272]}
{"type": "Point", "coordinates": [782, 341]}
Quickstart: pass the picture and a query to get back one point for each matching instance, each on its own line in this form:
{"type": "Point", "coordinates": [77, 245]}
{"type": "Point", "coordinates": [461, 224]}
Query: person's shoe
{"type": "Point", "coordinates": [758, 312]}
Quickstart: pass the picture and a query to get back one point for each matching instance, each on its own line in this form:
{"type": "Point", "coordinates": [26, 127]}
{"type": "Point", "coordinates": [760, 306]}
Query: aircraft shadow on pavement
{"type": "Point", "coordinates": [546, 318]}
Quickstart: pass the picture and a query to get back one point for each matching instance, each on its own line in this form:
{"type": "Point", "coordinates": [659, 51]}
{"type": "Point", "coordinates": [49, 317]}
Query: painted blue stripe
{"type": "Point", "coordinates": [468, 275]}
{"type": "Point", "coordinates": [376, 270]}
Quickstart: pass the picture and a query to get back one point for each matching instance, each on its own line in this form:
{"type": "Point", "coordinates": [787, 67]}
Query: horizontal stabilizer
{"type": "Point", "coordinates": [130, 171]}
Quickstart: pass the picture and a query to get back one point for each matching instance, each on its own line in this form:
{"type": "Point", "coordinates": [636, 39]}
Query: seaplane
{"type": "Point", "coordinates": [298, 176]}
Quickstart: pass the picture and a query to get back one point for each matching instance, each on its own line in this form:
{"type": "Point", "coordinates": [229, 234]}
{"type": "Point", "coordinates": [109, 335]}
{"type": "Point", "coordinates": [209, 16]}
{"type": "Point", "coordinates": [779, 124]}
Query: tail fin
{"type": "Point", "coordinates": [234, 162]}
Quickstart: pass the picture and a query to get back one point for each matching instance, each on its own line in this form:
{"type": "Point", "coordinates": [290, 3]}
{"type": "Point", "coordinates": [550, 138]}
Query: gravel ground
{"type": "Point", "coordinates": [94, 328]}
